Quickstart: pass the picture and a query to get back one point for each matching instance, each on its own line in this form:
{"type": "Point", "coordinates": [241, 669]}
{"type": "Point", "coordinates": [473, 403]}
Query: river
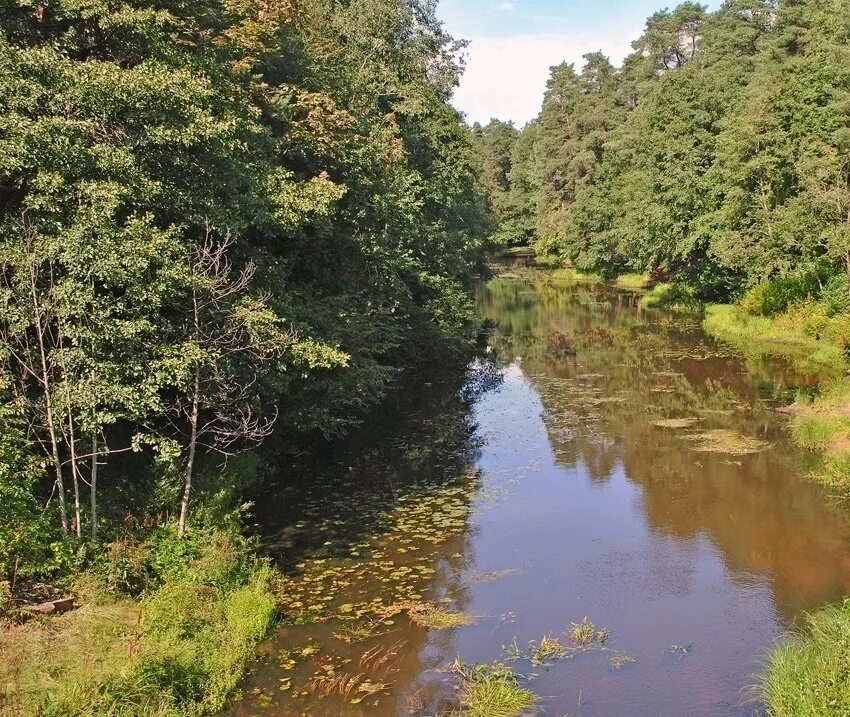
{"type": "Point", "coordinates": [602, 462]}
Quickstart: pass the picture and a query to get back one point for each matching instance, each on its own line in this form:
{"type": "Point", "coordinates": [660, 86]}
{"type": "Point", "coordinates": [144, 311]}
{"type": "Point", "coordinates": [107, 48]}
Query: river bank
{"type": "Point", "coordinates": [162, 627]}
{"type": "Point", "coordinates": [607, 515]}
{"type": "Point", "coordinates": [617, 465]}
{"type": "Point", "coordinates": [806, 674]}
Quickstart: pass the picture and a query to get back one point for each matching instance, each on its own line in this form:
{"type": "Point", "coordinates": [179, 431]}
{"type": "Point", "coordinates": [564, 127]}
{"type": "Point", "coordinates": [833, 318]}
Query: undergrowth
{"type": "Point", "coordinates": [173, 638]}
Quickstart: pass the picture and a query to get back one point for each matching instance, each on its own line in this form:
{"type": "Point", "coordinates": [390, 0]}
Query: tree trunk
{"type": "Point", "coordinates": [57, 463]}
{"type": "Point", "coordinates": [48, 403]}
{"type": "Point", "coordinates": [190, 460]}
{"type": "Point", "coordinates": [75, 478]}
{"type": "Point", "coordinates": [94, 449]}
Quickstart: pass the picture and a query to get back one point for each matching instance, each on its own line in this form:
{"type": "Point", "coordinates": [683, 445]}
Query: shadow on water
{"type": "Point", "coordinates": [602, 461]}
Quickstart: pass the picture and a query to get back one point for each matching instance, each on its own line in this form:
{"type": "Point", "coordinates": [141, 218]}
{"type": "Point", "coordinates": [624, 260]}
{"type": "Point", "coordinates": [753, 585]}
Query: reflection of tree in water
{"type": "Point", "coordinates": [357, 533]}
{"type": "Point", "coordinates": [633, 368]}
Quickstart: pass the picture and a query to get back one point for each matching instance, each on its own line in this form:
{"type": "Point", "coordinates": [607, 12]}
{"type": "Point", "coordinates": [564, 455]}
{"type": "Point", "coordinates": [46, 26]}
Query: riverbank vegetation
{"type": "Point", "coordinates": [715, 159]}
{"type": "Point", "coordinates": [221, 226]}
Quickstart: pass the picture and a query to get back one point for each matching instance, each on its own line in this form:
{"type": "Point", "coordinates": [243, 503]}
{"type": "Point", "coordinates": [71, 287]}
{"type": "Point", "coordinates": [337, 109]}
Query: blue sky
{"type": "Point", "coordinates": [514, 42]}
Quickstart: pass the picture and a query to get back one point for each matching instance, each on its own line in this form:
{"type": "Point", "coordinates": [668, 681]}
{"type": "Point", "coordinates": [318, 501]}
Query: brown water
{"type": "Point", "coordinates": [552, 497]}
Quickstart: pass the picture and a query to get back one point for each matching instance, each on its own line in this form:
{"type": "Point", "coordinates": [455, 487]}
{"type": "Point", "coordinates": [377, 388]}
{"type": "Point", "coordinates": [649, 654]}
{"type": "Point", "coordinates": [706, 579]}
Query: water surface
{"type": "Point", "coordinates": [606, 462]}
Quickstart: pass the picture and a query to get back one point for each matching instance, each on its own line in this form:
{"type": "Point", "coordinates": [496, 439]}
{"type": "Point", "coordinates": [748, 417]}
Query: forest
{"type": "Point", "coordinates": [221, 224]}
{"type": "Point", "coordinates": [217, 221]}
{"type": "Point", "coordinates": [231, 229]}
{"type": "Point", "coordinates": [717, 157]}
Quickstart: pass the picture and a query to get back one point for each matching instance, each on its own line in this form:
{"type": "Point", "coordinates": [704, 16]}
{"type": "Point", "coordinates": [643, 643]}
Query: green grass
{"type": "Point", "coordinates": [491, 691]}
{"type": "Point", "coordinates": [670, 296]}
{"type": "Point", "coordinates": [808, 674]}
{"type": "Point", "coordinates": [632, 281]}
{"type": "Point", "coordinates": [568, 273]}
{"type": "Point", "coordinates": [180, 650]}
{"type": "Point", "coordinates": [783, 336]}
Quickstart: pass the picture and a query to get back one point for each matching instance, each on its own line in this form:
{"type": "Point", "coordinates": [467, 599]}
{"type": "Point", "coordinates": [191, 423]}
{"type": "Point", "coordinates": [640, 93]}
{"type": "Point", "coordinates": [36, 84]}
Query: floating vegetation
{"type": "Point", "coordinates": [619, 659]}
{"type": "Point", "coordinates": [512, 652]}
{"type": "Point", "coordinates": [361, 631]}
{"type": "Point", "coordinates": [287, 659]}
{"type": "Point", "coordinates": [676, 423]}
{"type": "Point", "coordinates": [548, 649]}
{"type": "Point", "coordinates": [585, 634]}
{"type": "Point", "coordinates": [724, 440]}
{"type": "Point", "coordinates": [488, 576]}
{"type": "Point", "coordinates": [680, 649]}
{"type": "Point", "coordinates": [380, 656]}
{"type": "Point", "coordinates": [491, 691]}
{"type": "Point", "coordinates": [584, 638]}
{"type": "Point", "coordinates": [393, 566]}
{"type": "Point", "coordinates": [435, 617]}
{"type": "Point", "coordinates": [352, 687]}
{"type": "Point", "coordinates": [675, 654]}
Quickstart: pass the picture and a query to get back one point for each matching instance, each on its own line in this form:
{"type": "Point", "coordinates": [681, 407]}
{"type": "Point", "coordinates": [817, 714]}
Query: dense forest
{"type": "Point", "coordinates": [716, 156]}
{"type": "Point", "coordinates": [230, 228]}
{"type": "Point", "coordinates": [220, 221]}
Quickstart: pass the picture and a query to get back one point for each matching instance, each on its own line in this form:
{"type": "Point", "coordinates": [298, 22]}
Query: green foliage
{"type": "Point", "coordinates": [717, 154]}
{"type": "Point", "coordinates": [807, 674]}
{"type": "Point", "coordinates": [344, 186]}
{"type": "Point", "coordinates": [26, 535]}
{"type": "Point", "coordinates": [191, 637]}
{"type": "Point", "coordinates": [774, 296]}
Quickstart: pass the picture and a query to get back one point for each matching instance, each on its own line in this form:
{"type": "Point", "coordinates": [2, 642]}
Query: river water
{"type": "Point", "coordinates": [602, 462]}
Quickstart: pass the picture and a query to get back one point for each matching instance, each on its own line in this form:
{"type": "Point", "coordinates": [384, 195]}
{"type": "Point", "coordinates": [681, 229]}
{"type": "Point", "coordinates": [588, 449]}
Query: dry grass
{"type": "Point", "coordinates": [46, 658]}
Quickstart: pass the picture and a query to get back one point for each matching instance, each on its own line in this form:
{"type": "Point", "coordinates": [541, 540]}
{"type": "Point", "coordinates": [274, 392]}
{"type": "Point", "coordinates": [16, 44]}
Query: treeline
{"type": "Point", "coordinates": [717, 156]}
{"type": "Point", "coordinates": [218, 220]}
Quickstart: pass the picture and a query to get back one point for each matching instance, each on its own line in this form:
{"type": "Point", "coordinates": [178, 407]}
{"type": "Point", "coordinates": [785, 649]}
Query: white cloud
{"type": "Point", "coordinates": [503, 6]}
{"type": "Point", "coordinates": [505, 77]}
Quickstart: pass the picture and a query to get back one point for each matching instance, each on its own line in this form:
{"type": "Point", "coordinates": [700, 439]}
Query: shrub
{"type": "Point", "coordinates": [836, 295]}
{"type": "Point", "coordinates": [775, 295]}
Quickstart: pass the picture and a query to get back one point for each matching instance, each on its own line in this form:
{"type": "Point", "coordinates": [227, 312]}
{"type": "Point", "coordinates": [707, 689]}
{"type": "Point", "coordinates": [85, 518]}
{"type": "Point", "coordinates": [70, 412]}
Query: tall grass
{"type": "Point", "coordinates": [782, 336]}
{"type": "Point", "coordinates": [491, 691]}
{"type": "Point", "coordinates": [808, 674]}
{"type": "Point", "coordinates": [180, 650]}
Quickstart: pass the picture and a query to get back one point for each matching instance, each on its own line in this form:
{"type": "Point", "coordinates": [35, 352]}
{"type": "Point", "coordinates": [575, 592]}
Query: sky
{"type": "Point", "coordinates": [513, 43]}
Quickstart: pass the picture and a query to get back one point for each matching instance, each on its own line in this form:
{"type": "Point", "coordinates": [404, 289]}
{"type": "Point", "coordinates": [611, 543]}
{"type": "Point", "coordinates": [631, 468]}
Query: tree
{"type": "Point", "coordinates": [228, 336]}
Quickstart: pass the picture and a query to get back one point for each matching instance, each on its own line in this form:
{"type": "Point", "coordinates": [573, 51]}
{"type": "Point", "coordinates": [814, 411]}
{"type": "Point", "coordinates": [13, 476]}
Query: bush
{"type": "Point", "coordinates": [836, 295]}
{"type": "Point", "coordinates": [776, 295]}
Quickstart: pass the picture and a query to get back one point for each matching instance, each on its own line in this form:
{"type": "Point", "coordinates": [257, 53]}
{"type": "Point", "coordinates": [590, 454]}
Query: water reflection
{"type": "Point", "coordinates": [614, 463]}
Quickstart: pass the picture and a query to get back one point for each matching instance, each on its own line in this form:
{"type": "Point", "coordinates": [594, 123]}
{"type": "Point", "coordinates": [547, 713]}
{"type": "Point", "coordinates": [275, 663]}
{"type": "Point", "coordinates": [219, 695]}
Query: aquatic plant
{"type": "Point", "coordinates": [433, 616]}
{"type": "Point", "coordinates": [724, 440]}
{"type": "Point", "coordinates": [676, 423]}
{"type": "Point", "coordinates": [619, 659]}
{"type": "Point", "coordinates": [549, 648]}
{"type": "Point", "coordinates": [491, 691]}
{"type": "Point", "coordinates": [584, 633]}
